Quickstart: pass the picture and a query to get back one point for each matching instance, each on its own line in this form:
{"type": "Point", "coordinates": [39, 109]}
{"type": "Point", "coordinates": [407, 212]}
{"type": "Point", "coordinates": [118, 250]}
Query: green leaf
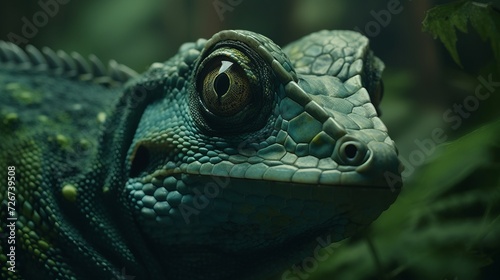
{"type": "Point", "coordinates": [441, 21]}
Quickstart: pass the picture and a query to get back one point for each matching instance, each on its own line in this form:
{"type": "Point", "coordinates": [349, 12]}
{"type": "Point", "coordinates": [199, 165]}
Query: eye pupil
{"type": "Point", "coordinates": [225, 90]}
{"type": "Point", "coordinates": [351, 151]}
{"type": "Point", "coordinates": [221, 84]}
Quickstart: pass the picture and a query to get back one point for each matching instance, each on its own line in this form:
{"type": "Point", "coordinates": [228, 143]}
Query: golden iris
{"type": "Point", "coordinates": [226, 89]}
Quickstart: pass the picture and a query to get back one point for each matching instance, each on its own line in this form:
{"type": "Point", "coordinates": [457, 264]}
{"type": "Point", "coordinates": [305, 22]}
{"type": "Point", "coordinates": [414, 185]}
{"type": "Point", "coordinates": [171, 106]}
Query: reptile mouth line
{"type": "Point", "coordinates": [351, 177]}
{"type": "Point", "coordinates": [162, 173]}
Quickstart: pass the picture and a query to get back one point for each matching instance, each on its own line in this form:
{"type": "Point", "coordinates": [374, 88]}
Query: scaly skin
{"type": "Point", "coordinates": [225, 162]}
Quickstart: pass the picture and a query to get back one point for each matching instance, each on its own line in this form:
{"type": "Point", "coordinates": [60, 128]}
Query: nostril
{"type": "Point", "coordinates": [350, 151]}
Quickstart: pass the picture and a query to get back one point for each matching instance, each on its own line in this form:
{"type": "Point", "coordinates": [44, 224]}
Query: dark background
{"type": "Point", "coordinates": [421, 83]}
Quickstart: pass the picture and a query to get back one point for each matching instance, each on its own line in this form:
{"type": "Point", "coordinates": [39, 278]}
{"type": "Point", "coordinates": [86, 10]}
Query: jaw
{"type": "Point", "coordinates": [233, 225]}
{"type": "Point", "coordinates": [239, 214]}
{"type": "Point", "coordinates": [202, 261]}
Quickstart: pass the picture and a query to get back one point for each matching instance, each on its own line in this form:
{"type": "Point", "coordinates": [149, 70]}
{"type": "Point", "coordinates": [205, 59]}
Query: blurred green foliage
{"type": "Point", "coordinates": [441, 21]}
{"type": "Point", "coordinates": [445, 224]}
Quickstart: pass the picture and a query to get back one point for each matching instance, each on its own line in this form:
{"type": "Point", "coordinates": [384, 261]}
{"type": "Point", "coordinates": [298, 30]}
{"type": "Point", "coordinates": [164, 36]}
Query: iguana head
{"type": "Point", "coordinates": [246, 149]}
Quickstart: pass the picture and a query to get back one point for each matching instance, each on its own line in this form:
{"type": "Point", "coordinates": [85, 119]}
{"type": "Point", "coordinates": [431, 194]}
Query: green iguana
{"type": "Point", "coordinates": [227, 161]}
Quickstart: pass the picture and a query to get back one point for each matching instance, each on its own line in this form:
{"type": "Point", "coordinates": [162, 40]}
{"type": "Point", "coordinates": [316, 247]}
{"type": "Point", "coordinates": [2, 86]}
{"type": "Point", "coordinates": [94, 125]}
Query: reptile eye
{"type": "Point", "coordinates": [234, 90]}
{"type": "Point", "coordinates": [226, 89]}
